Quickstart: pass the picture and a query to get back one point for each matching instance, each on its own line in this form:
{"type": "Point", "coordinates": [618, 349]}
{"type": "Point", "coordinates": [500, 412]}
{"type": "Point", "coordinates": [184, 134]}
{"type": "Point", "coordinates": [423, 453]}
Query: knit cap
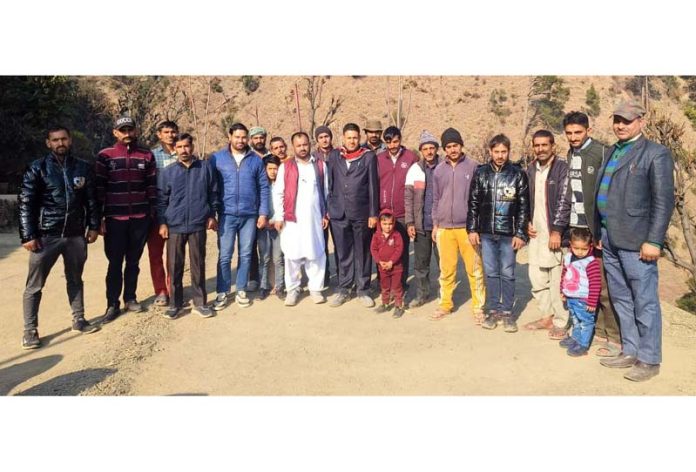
{"type": "Point", "coordinates": [427, 137]}
{"type": "Point", "coordinates": [451, 135]}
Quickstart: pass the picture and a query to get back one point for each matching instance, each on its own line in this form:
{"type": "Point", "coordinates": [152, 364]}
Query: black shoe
{"type": "Point", "coordinates": [281, 294]}
{"type": "Point", "coordinates": [622, 361]}
{"type": "Point", "coordinates": [491, 321]}
{"type": "Point", "coordinates": [567, 342]}
{"type": "Point", "coordinates": [640, 372]}
{"type": "Point", "coordinates": [418, 301]}
{"type": "Point", "coordinates": [382, 308]}
{"type": "Point", "coordinates": [509, 324]}
{"type": "Point", "coordinates": [31, 340]}
{"type": "Point", "coordinates": [134, 305]}
{"type": "Point", "coordinates": [171, 313]}
{"type": "Point", "coordinates": [263, 294]}
{"type": "Point", "coordinates": [398, 312]}
{"type": "Point", "coordinates": [111, 314]}
{"type": "Point", "coordinates": [83, 326]}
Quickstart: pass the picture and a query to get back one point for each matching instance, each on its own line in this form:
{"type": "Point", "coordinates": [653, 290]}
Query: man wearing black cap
{"type": "Point", "coordinates": [635, 200]}
{"type": "Point", "coordinates": [126, 177]}
{"type": "Point", "coordinates": [324, 138]}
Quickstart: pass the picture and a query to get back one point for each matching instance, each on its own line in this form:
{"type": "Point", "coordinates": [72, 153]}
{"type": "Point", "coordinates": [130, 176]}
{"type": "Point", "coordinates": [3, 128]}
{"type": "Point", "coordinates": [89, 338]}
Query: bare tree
{"type": "Point", "coordinates": [210, 114]}
{"type": "Point", "coordinates": [314, 89]}
{"type": "Point", "coordinates": [395, 111]}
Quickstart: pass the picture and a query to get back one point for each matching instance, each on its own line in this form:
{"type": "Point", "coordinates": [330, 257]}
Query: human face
{"type": "Point", "coordinates": [272, 172]}
{"type": "Point", "coordinates": [580, 248]}
{"type": "Point", "coordinates": [428, 151]}
{"type": "Point", "coordinates": [59, 142]}
{"type": "Point", "coordinates": [184, 150]}
{"type": "Point", "coordinates": [239, 140]}
{"type": "Point", "coordinates": [543, 148]}
{"type": "Point", "coordinates": [258, 142]}
{"type": "Point", "coordinates": [576, 135]}
{"type": "Point", "coordinates": [394, 145]}
{"type": "Point", "coordinates": [499, 155]}
{"type": "Point", "coordinates": [625, 130]}
{"type": "Point", "coordinates": [453, 151]}
{"type": "Point", "coordinates": [279, 149]}
{"type": "Point", "coordinates": [373, 137]}
{"type": "Point", "coordinates": [387, 225]}
{"type": "Point", "coordinates": [300, 146]}
{"type": "Point", "coordinates": [324, 141]}
{"type": "Point", "coordinates": [351, 140]}
{"type": "Point", "coordinates": [166, 136]}
{"type": "Point", "coordinates": [125, 135]}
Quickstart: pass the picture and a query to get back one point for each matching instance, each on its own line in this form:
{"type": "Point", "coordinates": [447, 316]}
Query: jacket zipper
{"type": "Point", "coordinates": [454, 167]}
{"type": "Point", "coordinates": [67, 202]}
{"type": "Point", "coordinates": [495, 199]}
{"type": "Point", "coordinates": [391, 203]}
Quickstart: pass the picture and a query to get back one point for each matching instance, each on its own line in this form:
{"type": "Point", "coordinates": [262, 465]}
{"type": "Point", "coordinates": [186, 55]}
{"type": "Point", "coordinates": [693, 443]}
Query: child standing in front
{"type": "Point", "coordinates": [387, 247]}
{"type": "Point", "coordinates": [581, 283]}
{"type": "Point", "coordinates": [269, 242]}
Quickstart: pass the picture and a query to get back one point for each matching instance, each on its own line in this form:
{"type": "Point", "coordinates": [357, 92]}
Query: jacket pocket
{"type": "Point", "coordinates": [637, 211]}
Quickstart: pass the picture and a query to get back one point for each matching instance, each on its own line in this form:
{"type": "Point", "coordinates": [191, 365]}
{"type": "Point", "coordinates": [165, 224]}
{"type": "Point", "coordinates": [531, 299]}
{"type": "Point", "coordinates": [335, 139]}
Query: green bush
{"type": "Point", "coordinates": [251, 83]}
{"type": "Point", "coordinates": [592, 101]}
{"type": "Point", "coordinates": [690, 112]}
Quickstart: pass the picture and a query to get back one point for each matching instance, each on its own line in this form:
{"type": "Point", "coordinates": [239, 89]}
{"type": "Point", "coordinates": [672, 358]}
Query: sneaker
{"type": "Point", "coordinates": [134, 305]}
{"type": "Point", "coordinates": [83, 326]}
{"type": "Point", "coordinates": [339, 299]}
{"type": "Point", "coordinates": [398, 312]}
{"type": "Point", "coordinates": [622, 361]}
{"type": "Point", "coordinates": [292, 297]}
{"type": "Point", "coordinates": [220, 301]}
{"type": "Point", "coordinates": [383, 308]}
{"type": "Point", "coordinates": [242, 299]}
{"type": "Point", "coordinates": [567, 342]}
{"type": "Point", "coordinates": [281, 294]}
{"type": "Point", "coordinates": [263, 294]}
{"type": "Point", "coordinates": [367, 301]}
{"type": "Point", "coordinates": [577, 350]}
{"type": "Point", "coordinates": [491, 321]}
{"type": "Point", "coordinates": [162, 300]}
{"type": "Point", "coordinates": [418, 301]}
{"type": "Point", "coordinates": [317, 297]}
{"type": "Point", "coordinates": [31, 340]}
{"type": "Point", "coordinates": [171, 313]}
{"type": "Point", "coordinates": [252, 286]}
{"type": "Point", "coordinates": [509, 324]}
{"type": "Point", "coordinates": [111, 314]}
{"type": "Point", "coordinates": [203, 311]}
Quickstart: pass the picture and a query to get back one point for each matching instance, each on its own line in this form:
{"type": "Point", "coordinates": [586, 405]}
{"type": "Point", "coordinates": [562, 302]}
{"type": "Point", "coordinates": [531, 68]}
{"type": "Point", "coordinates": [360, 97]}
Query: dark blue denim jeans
{"type": "Point", "coordinates": [229, 229]}
{"type": "Point", "coordinates": [499, 268]}
{"type": "Point", "coordinates": [583, 321]}
{"type": "Point", "coordinates": [633, 291]}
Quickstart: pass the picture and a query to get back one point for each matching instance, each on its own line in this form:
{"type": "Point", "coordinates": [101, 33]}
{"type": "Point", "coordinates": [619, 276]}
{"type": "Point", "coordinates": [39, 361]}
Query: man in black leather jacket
{"type": "Point", "coordinates": [497, 221]}
{"type": "Point", "coordinates": [57, 201]}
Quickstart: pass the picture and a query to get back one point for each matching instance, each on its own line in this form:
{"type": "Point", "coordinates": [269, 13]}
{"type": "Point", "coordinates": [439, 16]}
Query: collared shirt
{"type": "Point", "coordinates": [620, 150]}
{"type": "Point", "coordinates": [162, 157]}
{"type": "Point", "coordinates": [539, 252]}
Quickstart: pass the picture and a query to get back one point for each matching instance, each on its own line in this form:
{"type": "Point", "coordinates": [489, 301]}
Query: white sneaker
{"type": "Point", "coordinates": [292, 297]}
{"type": "Point", "coordinates": [220, 301]}
{"type": "Point", "coordinates": [317, 297]}
{"type": "Point", "coordinates": [367, 301]}
{"type": "Point", "coordinates": [242, 299]}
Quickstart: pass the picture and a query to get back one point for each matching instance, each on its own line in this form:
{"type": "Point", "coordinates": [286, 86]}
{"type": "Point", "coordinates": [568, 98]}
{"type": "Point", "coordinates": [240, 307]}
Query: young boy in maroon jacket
{"type": "Point", "coordinates": [387, 247]}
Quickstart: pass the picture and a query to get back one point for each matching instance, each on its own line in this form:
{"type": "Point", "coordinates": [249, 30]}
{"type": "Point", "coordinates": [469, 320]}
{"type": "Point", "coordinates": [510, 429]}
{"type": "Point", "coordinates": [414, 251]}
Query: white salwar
{"type": "Point", "coordinates": [302, 241]}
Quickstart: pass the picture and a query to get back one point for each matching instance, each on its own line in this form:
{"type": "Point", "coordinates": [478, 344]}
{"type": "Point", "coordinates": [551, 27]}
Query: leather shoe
{"type": "Point", "coordinates": [622, 361]}
{"type": "Point", "coordinates": [641, 372]}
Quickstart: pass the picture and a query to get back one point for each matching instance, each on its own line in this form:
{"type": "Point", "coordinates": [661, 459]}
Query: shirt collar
{"type": "Point", "coordinates": [621, 145]}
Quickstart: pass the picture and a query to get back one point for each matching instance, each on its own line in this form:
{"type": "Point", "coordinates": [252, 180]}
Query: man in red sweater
{"type": "Point", "coordinates": [393, 165]}
{"type": "Point", "coordinates": [387, 248]}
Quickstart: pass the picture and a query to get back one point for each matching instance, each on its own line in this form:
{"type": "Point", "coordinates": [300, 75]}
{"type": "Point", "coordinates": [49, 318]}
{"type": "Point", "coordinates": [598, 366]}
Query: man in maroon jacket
{"type": "Point", "coordinates": [393, 165]}
{"type": "Point", "coordinates": [126, 178]}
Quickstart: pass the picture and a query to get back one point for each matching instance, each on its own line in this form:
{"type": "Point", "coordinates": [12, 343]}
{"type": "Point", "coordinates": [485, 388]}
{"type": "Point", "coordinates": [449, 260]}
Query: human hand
{"type": "Point", "coordinates": [474, 239]}
{"type": "Point", "coordinates": [555, 240]}
{"type": "Point", "coordinates": [33, 245]}
{"type": "Point", "coordinates": [325, 222]}
{"type": "Point", "coordinates": [278, 225]}
{"type": "Point", "coordinates": [591, 309]}
{"type": "Point", "coordinates": [164, 231]}
{"type": "Point", "coordinates": [372, 222]}
{"type": "Point", "coordinates": [517, 243]}
{"type": "Point", "coordinates": [649, 253]}
{"type": "Point", "coordinates": [92, 236]}
{"type": "Point", "coordinates": [261, 221]}
{"type": "Point", "coordinates": [212, 224]}
{"type": "Point", "coordinates": [411, 230]}
{"type": "Point", "coordinates": [434, 234]}
{"type": "Point", "coordinates": [531, 232]}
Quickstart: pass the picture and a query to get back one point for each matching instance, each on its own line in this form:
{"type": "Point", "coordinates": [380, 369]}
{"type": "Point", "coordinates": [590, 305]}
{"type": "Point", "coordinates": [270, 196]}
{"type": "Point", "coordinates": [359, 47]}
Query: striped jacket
{"type": "Point", "coordinates": [126, 178]}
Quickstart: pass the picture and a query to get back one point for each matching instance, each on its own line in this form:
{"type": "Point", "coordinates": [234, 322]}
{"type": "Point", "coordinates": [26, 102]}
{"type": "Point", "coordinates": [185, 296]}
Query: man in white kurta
{"type": "Point", "coordinates": [302, 240]}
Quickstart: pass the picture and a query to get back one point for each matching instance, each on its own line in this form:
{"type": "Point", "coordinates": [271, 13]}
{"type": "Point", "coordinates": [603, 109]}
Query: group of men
{"type": "Point", "coordinates": [168, 197]}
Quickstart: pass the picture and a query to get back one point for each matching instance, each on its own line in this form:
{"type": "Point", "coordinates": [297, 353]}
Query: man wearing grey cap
{"type": "Point", "coordinates": [635, 200]}
{"type": "Point", "coordinates": [418, 200]}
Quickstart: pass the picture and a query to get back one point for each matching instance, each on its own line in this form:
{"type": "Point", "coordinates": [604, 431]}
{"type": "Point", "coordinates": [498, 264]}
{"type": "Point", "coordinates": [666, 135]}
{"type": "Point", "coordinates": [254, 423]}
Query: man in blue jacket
{"type": "Point", "coordinates": [353, 206]}
{"type": "Point", "coordinates": [187, 202]}
{"type": "Point", "coordinates": [243, 198]}
{"type": "Point", "coordinates": [635, 200]}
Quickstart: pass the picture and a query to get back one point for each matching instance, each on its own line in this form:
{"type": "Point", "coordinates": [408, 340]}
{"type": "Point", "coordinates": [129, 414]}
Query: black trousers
{"type": "Point", "coordinates": [74, 252]}
{"type": "Point", "coordinates": [124, 240]}
{"type": "Point", "coordinates": [176, 257]}
{"type": "Point", "coordinates": [423, 249]}
{"type": "Point", "coordinates": [352, 246]}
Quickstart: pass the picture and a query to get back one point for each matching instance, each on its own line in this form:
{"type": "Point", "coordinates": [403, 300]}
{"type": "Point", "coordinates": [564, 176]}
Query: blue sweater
{"type": "Point", "coordinates": [244, 190]}
{"type": "Point", "coordinates": [186, 197]}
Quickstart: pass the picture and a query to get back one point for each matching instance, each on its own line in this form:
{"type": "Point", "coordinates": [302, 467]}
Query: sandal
{"type": "Point", "coordinates": [608, 349]}
{"type": "Point", "coordinates": [479, 316]}
{"type": "Point", "coordinates": [439, 314]}
{"type": "Point", "coordinates": [541, 323]}
{"type": "Point", "coordinates": [557, 333]}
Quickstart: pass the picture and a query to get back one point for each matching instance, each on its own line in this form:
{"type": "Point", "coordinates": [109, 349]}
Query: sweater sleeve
{"type": "Point", "coordinates": [594, 277]}
{"type": "Point", "coordinates": [563, 273]}
{"type": "Point", "coordinates": [409, 216]}
{"type": "Point", "coordinates": [436, 198]}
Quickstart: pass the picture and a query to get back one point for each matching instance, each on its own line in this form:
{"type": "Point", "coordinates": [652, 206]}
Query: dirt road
{"type": "Point", "coordinates": [268, 349]}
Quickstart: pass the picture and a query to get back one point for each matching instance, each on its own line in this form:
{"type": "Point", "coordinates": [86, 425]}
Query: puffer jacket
{"type": "Point", "coordinates": [499, 201]}
{"type": "Point", "coordinates": [57, 199]}
{"type": "Point", "coordinates": [242, 190]}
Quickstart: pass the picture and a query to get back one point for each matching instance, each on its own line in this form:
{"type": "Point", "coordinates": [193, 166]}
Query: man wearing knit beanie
{"type": "Point", "coordinates": [451, 184]}
{"type": "Point", "coordinates": [418, 199]}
